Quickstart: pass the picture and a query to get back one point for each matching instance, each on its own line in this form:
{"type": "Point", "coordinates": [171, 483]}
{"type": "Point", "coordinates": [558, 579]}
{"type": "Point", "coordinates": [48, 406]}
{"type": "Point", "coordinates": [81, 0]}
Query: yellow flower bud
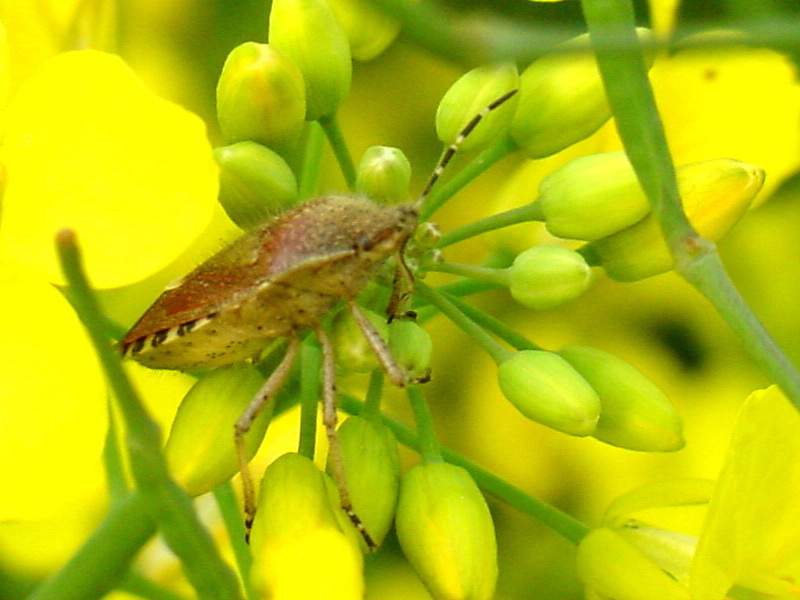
{"type": "Point", "coordinates": [260, 96]}
{"type": "Point", "coordinates": [548, 276]}
{"type": "Point", "coordinates": [368, 31]}
{"type": "Point", "coordinates": [446, 532]}
{"type": "Point", "coordinates": [471, 94]}
{"type": "Point", "coordinates": [411, 347]}
{"type": "Point", "coordinates": [384, 175]}
{"type": "Point", "coordinates": [202, 462]}
{"type": "Point", "coordinates": [547, 389]}
{"type": "Point", "coordinates": [307, 32]}
{"type": "Point", "coordinates": [613, 568]}
{"type": "Point", "coordinates": [303, 546]}
{"type": "Point", "coordinates": [372, 471]}
{"type": "Point", "coordinates": [592, 197]}
{"type": "Point", "coordinates": [561, 99]}
{"type": "Point", "coordinates": [715, 194]}
{"type": "Point", "coordinates": [353, 352]}
{"type": "Point", "coordinates": [634, 413]}
{"type": "Point", "coordinates": [254, 182]}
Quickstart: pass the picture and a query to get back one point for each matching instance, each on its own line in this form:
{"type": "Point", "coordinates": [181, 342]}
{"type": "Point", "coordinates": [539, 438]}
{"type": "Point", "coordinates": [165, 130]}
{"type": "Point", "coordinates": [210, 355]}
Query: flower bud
{"type": "Point", "coordinates": [548, 276]}
{"type": "Point", "coordinates": [353, 351]}
{"type": "Point", "coordinates": [302, 544]}
{"type": "Point", "coordinates": [254, 182]}
{"type": "Point", "coordinates": [446, 532]}
{"type": "Point", "coordinates": [260, 96]}
{"type": "Point", "coordinates": [384, 175]}
{"type": "Point", "coordinates": [372, 471]}
{"type": "Point", "coordinates": [670, 550]}
{"type": "Point", "coordinates": [202, 462]}
{"type": "Point", "coordinates": [592, 197]}
{"type": "Point", "coordinates": [612, 567]}
{"type": "Point", "coordinates": [715, 194]}
{"type": "Point", "coordinates": [561, 99]}
{"type": "Point", "coordinates": [471, 94]}
{"type": "Point", "coordinates": [307, 32]}
{"type": "Point", "coordinates": [546, 389]}
{"type": "Point", "coordinates": [634, 413]}
{"type": "Point", "coordinates": [412, 347]}
{"type": "Point", "coordinates": [368, 31]}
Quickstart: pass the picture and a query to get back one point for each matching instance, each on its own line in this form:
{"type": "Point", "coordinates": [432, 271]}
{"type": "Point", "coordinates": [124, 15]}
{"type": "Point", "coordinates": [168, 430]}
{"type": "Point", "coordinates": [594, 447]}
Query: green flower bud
{"type": "Point", "coordinates": [254, 182]}
{"type": "Point", "coordinates": [592, 197]}
{"type": "Point", "coordinates": [547, 276]}
{"type": "Point", "coordinates": [384, 175]}
{"type": "Point", "coordinates": [612, 567]}
{"type": "Point", "coordinates": [715, 194]}
{"type": "Point", "coordinates": [446, 532]}
{"type": "Point", "coordinates": [471, 94]}
{"type": "Point", "coordinates": [428, 235]}
{"type": "Point", "coordinates": [372, 471]}
{"type": "Point", "coordinates": [307, 32]}
{"type": "Point", "coordinates": [202, 462]}
{"type": "Point", "coordinates": [670, 550]}
{"type": "Point", "coordinates": [634, 413]}
{"type": "Point", "coordinates": [411, 347]}
{"type": "Point", "coordinates": [353, 351]}
{"type": "Point", "coordinates": [368, 31]}
{"type": "Point", "coordinates": [561, 99]}
{"type": "Point", "coordinates": [546, 389]}
{"type": "Point", "coordinates": [260, 96]}
{"type": "Point", "coordinates": [303, 546]}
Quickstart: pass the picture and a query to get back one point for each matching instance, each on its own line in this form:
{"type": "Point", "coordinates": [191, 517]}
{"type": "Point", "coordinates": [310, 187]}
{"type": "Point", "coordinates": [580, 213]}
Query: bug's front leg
{"type": "Point", "coordinates": [329, 419]}
{"type": "Point", "coordinates": [394, 371]}
{"type": "Point", "coordinates": [267, 392]}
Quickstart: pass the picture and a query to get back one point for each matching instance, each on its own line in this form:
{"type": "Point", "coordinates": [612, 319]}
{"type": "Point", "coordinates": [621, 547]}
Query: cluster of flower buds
{"type": "Point", "coordinates": [585, 391]}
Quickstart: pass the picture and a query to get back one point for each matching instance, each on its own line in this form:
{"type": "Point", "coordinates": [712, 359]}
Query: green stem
{"type": "Point", "coordinates": [429, 447]}
{"type": "Point", "coordinates": [137, 585]}
{"type": "Point", "coordinates": [372, 403]}
{"type": "Point", "coordinates": [330, 124]}
{"type": "Point", "coordinates": [515, 216]}
{"type": "Point", "coordinates": [105, 557]}
{"type": "Point", "coordinates": [638, 122]}
{"type": "Point", "coordinates": [497, 276]}
{"type": "Point", "coordinates": [232, 517]}
{"type": "Point", "coordinates": [495, 350]}
{"type": "Point", "coordinates": [165, 501]}
{"type": "Point", "coordinates": [481, 163]}
{"type": "Point", "coordinates": [563, 524]}
{"type": "Point", "coordinates": [311, 361]}
{"type": "Point", "coordinates": [308, 178]}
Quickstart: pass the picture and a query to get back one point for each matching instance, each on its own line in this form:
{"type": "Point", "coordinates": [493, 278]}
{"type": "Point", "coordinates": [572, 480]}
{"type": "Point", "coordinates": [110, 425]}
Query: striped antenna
{"type": "Point", "coordinates": [453, 148]}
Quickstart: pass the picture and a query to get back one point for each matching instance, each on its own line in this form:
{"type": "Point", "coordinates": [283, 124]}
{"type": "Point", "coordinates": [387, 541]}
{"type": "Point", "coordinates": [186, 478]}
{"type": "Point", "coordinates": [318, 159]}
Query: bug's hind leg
{"type": "Point", "coordinates": [245, 422]}
{"type": "Point", "coordinates": [394, 371]}
{"type": "Point", "coordinates": [329, 419]}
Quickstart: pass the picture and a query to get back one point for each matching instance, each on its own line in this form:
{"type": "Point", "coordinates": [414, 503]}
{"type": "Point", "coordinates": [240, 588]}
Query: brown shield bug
{"type": "Point", "coordinates": [279, 280]}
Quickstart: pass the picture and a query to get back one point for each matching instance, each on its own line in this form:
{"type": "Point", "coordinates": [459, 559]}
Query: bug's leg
{"type": "Point", "coordinates": [402, 288]}
{"type": "Point", "coordinates": [334, 449]}
{"type": "Point", "coordinates": [245, 421]}
{"type": "Point", "coordinates": [394, 372]}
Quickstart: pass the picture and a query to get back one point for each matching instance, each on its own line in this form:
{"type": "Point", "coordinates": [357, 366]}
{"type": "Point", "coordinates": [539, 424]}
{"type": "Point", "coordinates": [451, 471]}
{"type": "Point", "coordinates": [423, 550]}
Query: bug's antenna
{"type": "Point", "coordinates": [453, 148]}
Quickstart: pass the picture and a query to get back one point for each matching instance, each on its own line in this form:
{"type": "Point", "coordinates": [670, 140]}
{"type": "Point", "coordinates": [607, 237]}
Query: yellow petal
{"type": "Point", "coordinates": [53, 410]}
{"type": "Point", "coordinates": [751, 535]}
{"type": "Point", "coordinates": [87, 146]}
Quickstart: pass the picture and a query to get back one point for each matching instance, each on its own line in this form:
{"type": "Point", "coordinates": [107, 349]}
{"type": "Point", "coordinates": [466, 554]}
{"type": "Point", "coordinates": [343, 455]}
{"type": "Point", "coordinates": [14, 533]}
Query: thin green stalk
{"type": "Point", "coordinates": [486, 341]}
{"type": "Point", "coordinates": [165, 501]}
{"type": "Point", "coordinates": [429, 448]}
{"type": "Point", "coordinates": [515, 216]}
{"type": "Point", "coordinates": [563, 524]}
{"type": "Point", "coordinates": [308, 178]}
{"type": "Point", "coordinates": [137, 585]}
{"type": "Point", "coordinates": [481, 163]}
{"type": "Point", "coordinates": [638, 122]}
{"type": "Point", "coordinates": [372, 402]}
{"type": "Point", "coordinates": [330, 124]}
{"type": "Point", "coordinates": [490, 323]}
{"type": "Point", "coordinates": [497, 276]}
{"type": "Point", "coordinates": [112, 461]}
{"type": "Point", "coordinates": [105, 557]}
{"type": "Point", "coordinates": [232, 517]}
{"type": "Point", "coordinates": [311, 363]}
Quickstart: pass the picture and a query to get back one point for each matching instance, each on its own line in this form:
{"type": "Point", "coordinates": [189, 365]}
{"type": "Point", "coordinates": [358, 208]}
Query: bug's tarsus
{"type": "Point", "coordinates": [245, 422]}
{"type": "Point", "coordinates": [329, 419]}
{"type": "Point", "coordinates": [453, 148]}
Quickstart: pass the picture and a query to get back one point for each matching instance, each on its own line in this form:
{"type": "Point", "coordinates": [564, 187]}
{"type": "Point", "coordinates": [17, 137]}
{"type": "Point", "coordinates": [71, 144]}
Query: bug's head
{"type": "Point", "coordinates": [388, 229]}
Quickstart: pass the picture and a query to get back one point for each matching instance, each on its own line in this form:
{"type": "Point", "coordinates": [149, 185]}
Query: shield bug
{"type": "Point", "coordinates": [278, 281]}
